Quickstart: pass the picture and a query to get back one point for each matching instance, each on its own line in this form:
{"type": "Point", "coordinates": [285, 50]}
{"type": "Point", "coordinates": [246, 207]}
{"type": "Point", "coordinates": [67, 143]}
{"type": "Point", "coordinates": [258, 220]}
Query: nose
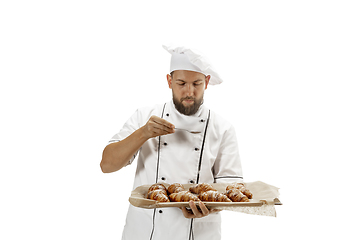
{"type": "Point", "coordinates": [190, 90]}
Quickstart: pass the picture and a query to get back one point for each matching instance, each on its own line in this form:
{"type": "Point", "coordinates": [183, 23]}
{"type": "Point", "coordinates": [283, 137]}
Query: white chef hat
{"type": "Point", "coordinates": [183, 58]}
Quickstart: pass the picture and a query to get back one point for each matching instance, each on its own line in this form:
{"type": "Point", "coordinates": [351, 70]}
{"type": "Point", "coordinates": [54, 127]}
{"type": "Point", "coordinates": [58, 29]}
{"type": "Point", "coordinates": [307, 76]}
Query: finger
{"type": "Point", "coordinates": [162, 127]}
{"type": "Point", "coordinates": [195, 210]}
{"type": "Point", "coordinates": [186, 213]}
{"type": "Point", "coordinates": [204, 209]}
{"type": "Point", "coordinates": [163, 122]}
{"type": "Point", "coordinates": [159, 130]}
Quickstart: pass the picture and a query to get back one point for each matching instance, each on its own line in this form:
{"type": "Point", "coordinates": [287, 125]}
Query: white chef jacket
{"type": "Point", "coordinates": [182, 157]}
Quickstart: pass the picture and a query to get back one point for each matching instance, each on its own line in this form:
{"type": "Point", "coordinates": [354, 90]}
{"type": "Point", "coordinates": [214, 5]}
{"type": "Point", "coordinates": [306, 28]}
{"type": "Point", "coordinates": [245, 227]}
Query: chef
{"type": "Point", "coordinates": [180, 141]}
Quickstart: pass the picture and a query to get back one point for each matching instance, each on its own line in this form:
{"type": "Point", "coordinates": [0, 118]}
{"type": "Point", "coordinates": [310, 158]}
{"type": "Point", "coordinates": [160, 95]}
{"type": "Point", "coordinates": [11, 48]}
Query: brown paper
{"type": "Point", "coordinates": [262, 194]}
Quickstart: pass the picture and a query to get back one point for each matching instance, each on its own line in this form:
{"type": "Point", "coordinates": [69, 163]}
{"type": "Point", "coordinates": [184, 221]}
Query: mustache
{"type": "Point", "coordinates": [187, 98]}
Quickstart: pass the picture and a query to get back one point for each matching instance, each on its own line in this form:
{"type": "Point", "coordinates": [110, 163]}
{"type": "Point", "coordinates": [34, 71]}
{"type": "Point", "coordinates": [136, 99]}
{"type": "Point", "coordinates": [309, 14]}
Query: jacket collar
{"type": "Point", "coordinates": [193, 122]}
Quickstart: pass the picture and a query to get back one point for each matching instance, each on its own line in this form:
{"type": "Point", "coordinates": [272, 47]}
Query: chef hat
{"type": "Point", "coordinates": [183, 58]}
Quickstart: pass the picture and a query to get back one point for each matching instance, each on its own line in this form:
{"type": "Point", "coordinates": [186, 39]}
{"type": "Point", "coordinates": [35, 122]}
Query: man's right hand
{"type": "Point", "coordinates": [157, 126]}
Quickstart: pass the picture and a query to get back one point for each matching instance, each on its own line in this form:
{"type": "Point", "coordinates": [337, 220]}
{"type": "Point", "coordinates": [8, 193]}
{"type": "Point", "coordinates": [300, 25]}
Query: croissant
{"type": "Point", "coordinates": [202, 187]}
{"type": "Point", "coordinates": [235, 185]}
{"type": "Point", "coordinates": [241, 187]}
{"type": "Point", "coordinates": [158, 195]}
{"type": "Point", "coordinates": [157, 186]}
{"type": "Point", "coordinates": [183, 196]}
{"type": "Point", "coordinates": [175, 188]}
{"type": "Point", "coordinates": [236, 195]}
{"type": "Point", "coordinates": [213, 196]}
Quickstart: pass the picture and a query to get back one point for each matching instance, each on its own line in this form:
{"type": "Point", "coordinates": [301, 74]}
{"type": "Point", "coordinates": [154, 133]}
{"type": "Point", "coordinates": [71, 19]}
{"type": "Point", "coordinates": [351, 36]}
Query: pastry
{"type": "Point", "coordinates": [183, 196]}
{"type": "Point", "coordinates": [236, 195]}
{"type": "Point", "coordinates": [202, 187]}
{"type": "Point", "coordinates": [213, 196]}
{"type": "Point", "coordinates": [234, 185]}
{"type": "Point", "coordinates": [157, 186]}
{"type": "Point", "coordinates": [158, 195]}
{"type": "Point", "coordinates": [175, 188]}
{"type": "Point", "coordinates": [241, 187]}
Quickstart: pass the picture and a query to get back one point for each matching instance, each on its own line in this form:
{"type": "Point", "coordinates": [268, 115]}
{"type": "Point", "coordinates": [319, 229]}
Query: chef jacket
{"type": "Point", "coordinates": [182, 157]}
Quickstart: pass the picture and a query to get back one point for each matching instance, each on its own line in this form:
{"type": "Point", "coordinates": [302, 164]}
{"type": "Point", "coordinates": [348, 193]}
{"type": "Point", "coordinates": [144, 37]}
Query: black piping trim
{"type": "Point", "coordinates": [202, 148]}
{"type": "Point", "coordinates": [191, 235]}
{"type": "Point", "coordinates": [158, 159]}
{"type": "Point", "coordinates": [229, 177]}
{"type": "Point", "coordinates": [156, 180]}
{"type": "Point", "coordinates": [152, 231]}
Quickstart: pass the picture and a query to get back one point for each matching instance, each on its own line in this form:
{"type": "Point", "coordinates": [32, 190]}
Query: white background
{"type": "Point", "coordinates": [72, 72]}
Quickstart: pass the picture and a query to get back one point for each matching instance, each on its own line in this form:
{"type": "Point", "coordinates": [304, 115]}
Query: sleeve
{"type": "Point", "coordinates": [227, 167]}
{"type": "Point", "coordinates": [130, 126]}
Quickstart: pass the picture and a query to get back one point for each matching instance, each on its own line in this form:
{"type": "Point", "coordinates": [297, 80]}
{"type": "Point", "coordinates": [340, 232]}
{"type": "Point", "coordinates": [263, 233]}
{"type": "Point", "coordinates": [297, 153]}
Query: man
{"type": "Point", "coordinates": [168, 153]}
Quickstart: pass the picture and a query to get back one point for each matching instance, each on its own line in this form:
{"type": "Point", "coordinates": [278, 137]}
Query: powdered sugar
{"type": "Point", "coordinates": [264, 210]}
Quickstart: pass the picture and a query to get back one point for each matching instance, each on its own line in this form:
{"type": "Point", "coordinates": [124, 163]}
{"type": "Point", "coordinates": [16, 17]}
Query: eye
{"type": "Point", "coordinates": [181, 84]}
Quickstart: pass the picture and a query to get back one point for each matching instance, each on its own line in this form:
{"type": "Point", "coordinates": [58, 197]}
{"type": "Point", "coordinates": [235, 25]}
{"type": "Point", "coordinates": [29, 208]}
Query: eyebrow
{"type": "Point", "coordinates": [198, 80]}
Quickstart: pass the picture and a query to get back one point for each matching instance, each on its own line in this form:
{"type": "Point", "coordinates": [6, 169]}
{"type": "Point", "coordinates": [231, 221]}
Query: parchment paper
{"type": "Point", "coordinates": [265, 196]}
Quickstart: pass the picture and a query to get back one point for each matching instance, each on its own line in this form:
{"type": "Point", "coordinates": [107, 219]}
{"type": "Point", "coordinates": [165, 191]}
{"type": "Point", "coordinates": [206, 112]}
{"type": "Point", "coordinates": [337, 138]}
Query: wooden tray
{"type": "Point", "coordinates": [262, 194]}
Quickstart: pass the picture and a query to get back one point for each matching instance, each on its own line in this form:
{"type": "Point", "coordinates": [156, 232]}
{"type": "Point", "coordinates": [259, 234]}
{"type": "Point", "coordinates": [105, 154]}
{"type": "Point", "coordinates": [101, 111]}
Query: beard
{"type": "Point", "coordinates": [190, 110]}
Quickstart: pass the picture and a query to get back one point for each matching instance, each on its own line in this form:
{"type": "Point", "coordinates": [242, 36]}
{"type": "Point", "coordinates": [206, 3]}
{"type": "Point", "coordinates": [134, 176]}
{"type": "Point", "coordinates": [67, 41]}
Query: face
{"type": "Point", "coordinates": [188, 89]}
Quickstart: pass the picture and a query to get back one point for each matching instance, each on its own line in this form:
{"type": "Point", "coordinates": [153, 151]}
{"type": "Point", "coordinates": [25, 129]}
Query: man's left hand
{"type": "Point", "coordinates": [194, 212]}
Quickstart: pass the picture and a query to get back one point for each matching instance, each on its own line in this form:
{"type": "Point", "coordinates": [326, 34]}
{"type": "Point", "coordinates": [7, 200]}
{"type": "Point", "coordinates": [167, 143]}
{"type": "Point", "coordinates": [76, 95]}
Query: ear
{"type": "Point", "coordinates": [207, 79]}
{"type": "Point", "coordinates": [169, 80]}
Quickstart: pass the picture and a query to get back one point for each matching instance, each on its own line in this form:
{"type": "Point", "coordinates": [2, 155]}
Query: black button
{"type": "Point", "coordinates": [191, 181]}
{"type": "Point", "coordinates": [167, 114]}
{"type": "Point", "coordinates": [160, 211]}
{"type": "Point", "coordinates": [196, 149]}
{"type": "Point", "coordinates": [162, 178]}
{"type": "Point", "coordinates": [202, 120]}
{"type": "Point", "coordinates": [165, 143]}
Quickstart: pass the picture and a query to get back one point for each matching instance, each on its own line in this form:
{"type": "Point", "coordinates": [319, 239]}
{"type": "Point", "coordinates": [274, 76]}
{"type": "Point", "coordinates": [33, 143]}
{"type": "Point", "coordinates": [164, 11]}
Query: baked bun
{"type": "Point", "coordinates": [213, 196]}
{"type": "Point", "coordinates": [201, 187]}
{"type": "Point", "coordinates": [175, 188]}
